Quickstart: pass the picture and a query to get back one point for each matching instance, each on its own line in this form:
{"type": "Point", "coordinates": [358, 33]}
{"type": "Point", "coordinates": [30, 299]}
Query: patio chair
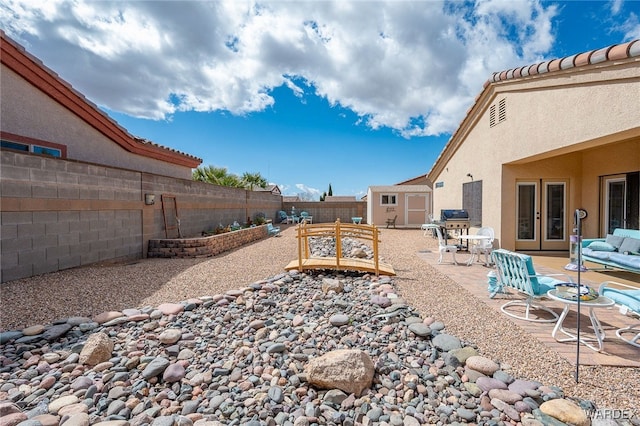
{"type": "Point", "coordinates": [628, 299]}
{"type": "Point", "coordinates": [484, 246]}
{"type": "Point", "coordinates": [516, 271]}
{"type": "Point", "coordinates": [443, 247]}
{"type": "Point", "coordinates": [425, 227]}
{"type": "Point", "coordinates": [305, 217]}
{"type": "Point", "coordinates": [273, 230]}
{"type": "Point", "coordinates": [282, 217]}
{"type": "Point", "coordinates": [392, 222]}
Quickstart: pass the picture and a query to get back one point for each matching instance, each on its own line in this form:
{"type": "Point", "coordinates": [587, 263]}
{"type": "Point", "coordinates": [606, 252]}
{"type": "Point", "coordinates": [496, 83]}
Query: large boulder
{"type": "Point", "coordinates": [331, 284]}
{"type": "Point", "coordinates": [566, 411]}
{"type": "Point", "coordinates": [350, 370]}
{"type": "Point", "coordinates": [97, 349]}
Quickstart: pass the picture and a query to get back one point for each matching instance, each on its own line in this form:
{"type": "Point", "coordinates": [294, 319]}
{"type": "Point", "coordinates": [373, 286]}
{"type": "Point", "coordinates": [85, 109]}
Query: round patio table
{"type": "Point", "coordinates": [600, 302]}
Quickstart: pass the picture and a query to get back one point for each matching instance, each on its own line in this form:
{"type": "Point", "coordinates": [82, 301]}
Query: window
{"type": "Point", "coordinates": [43, 148]}
{"type": "Point", "coordinates": [388, 200]}
{"type": "Point", "coordinates": [46, 151]}
{"type": "Point", "coordinates": [15, 145]}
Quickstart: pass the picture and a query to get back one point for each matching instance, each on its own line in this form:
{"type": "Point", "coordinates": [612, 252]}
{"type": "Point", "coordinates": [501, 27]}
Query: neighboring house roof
{"type": "Point", "coordinates": [573, 63]}
{"type": "Point", "coordinates": [418, 180]}
{"type": "Point", "coordinates": [40, 76]}
{"type": "Point", "coordinates": [274, 189]}
{"type": "Point", "coordinates": [340, 198]}
{"type": "Point", "coordinates": [290, 198]}
{"type": "Point", "coordinates": [400, 188]}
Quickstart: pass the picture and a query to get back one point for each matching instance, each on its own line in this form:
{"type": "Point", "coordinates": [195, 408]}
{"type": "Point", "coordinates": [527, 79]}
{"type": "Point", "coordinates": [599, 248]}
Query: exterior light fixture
{"type": "Point", "coordinates": [149, 199]}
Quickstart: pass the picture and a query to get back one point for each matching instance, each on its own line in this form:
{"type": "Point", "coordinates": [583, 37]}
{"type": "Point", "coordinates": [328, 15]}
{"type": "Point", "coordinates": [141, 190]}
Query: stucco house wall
{"type": "Point", "coordinates": [27, 113]}
{"type": "Point", "coordinates": [572, 125]}
{"type": "Point", "coordinates": [38, 108]}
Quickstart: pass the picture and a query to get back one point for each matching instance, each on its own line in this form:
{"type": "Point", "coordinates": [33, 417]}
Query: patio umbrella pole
{"type": "Point", "coordinates": [579, 290]}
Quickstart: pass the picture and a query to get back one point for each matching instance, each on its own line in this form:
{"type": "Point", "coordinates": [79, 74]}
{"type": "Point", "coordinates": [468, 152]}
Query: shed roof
{"type": "Point", "coordinates": [400, 188]}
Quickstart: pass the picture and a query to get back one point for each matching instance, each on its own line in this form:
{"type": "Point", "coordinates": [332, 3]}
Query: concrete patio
{"type": "Point", "coordinates": [614, 353]}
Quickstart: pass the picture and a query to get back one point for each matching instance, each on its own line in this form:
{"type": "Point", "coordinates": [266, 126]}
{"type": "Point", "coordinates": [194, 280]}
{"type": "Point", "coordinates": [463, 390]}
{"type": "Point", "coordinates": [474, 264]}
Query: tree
{"type": "Point", "coordinates": [330, 193]}
{"type": "Point", "coordinates": [211, 174]}
{"type": "Point", "coordinates": [323, 196]}
{"type": "Point", "coordinates": [253, 180]}
{"type": "Point", "coordinates": [220, 176]}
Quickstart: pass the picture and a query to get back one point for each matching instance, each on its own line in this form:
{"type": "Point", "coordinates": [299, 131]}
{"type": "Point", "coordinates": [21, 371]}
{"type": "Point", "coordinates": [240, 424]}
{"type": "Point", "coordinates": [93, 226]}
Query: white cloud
{"type": "Point", "coordinates": [306, 193]}
{"type": "Point", "coordinates": [631, 27]}
{"type": "Point", "coordinates": [616, 5]}
{"type": "Point", "coordinates": [411, 66]}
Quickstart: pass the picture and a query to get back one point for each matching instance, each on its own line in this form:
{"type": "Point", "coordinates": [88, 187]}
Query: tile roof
{"type": "Point", "coordinates": [32, 69]}
{"type": "Point", "coordinates": [611, 53]}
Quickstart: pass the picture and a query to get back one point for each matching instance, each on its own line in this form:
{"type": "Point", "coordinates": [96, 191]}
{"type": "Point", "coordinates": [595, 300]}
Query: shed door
{"type": "Point", "coordinates": [417, 209]}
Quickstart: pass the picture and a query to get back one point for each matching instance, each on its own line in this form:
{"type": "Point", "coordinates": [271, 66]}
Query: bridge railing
{"type": "Point", "coordinates": [338, 231]}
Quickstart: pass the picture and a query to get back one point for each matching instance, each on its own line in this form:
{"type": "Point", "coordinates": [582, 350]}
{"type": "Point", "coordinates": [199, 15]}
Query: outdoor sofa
{"type": "Point", "coordinates": [618, 250]}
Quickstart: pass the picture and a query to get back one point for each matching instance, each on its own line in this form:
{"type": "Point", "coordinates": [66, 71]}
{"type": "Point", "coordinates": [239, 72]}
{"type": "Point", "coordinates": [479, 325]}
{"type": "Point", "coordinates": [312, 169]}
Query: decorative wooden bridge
{"type": "Point", "coordinates": [338, 231]}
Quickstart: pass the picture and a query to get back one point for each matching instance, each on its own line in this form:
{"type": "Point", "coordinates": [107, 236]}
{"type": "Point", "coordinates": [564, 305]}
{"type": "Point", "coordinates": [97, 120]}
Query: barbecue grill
{"type": "Point", "coordinates": [455, 219]}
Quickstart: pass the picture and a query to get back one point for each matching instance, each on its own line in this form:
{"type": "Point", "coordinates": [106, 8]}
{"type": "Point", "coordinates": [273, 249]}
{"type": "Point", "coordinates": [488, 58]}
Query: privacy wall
{"type": "Point", "coordinates": [57, 214]}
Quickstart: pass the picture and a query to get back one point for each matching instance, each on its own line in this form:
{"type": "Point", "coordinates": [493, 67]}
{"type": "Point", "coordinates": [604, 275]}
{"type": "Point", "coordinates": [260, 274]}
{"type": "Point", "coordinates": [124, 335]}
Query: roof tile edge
{"type": "Point", "coordinates": [614, 52]}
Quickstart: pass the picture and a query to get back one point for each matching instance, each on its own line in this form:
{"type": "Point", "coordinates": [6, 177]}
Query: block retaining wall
{"type": "Point", "coordinates": [205, 246]}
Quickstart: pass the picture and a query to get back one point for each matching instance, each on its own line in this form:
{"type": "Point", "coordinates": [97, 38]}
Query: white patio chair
{"type": "Point", "coordinates": [442, 246]}
{"type": "Point", "coordinates": [484, 246]}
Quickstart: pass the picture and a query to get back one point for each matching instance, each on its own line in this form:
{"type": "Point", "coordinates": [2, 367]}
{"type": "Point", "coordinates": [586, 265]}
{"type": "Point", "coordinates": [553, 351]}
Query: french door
{"type": "Point", "coordinates": [541, 215]}
{"type": "Point", "coordinates": [620, 202]}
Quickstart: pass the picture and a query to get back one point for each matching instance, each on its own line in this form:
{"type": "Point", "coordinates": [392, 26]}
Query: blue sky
{"type": "Point", "coordinates": [307, 93]}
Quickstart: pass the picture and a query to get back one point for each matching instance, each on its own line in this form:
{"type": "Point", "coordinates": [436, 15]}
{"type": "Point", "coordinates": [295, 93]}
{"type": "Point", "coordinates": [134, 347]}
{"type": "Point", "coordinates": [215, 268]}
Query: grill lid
{"type": "Point", "coordinates": [453, 214]}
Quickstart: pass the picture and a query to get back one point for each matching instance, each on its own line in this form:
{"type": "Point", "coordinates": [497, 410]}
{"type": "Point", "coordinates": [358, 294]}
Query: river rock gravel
{"type": "Point", "coordinates": [238, 355]}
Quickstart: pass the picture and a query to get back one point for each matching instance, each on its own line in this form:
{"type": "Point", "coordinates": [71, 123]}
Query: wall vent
{"type": "Point", "coordinates": [502, 113]}
{"type": "Point", "coordinates": [502, 110]}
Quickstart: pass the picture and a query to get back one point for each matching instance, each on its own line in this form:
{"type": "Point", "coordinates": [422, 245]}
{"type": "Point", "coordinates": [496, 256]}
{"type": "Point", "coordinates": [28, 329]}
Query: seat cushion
{"type": "Point", "coordinates": [547, 283]}
{"type": "Point", "coordinates": [540, 283]}
{"type": "Point", "coordinates": [628, 298]}
{"type": "Point", "coordinates": [628, 260]}
{"type": "Point", "coordinates": [602, 255]}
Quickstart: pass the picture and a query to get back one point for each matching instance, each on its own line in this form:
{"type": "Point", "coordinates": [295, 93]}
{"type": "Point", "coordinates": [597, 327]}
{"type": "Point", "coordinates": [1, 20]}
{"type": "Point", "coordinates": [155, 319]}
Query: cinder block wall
{"type": "Point", "coordinates": [57, 214]}
{"type": "Point", "coordinates": [329, 211]}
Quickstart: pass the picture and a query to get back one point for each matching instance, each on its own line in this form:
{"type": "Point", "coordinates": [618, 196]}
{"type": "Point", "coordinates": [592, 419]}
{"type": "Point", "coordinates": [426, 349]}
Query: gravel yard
{"type": "Point", "coordinates": [150, 282]}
